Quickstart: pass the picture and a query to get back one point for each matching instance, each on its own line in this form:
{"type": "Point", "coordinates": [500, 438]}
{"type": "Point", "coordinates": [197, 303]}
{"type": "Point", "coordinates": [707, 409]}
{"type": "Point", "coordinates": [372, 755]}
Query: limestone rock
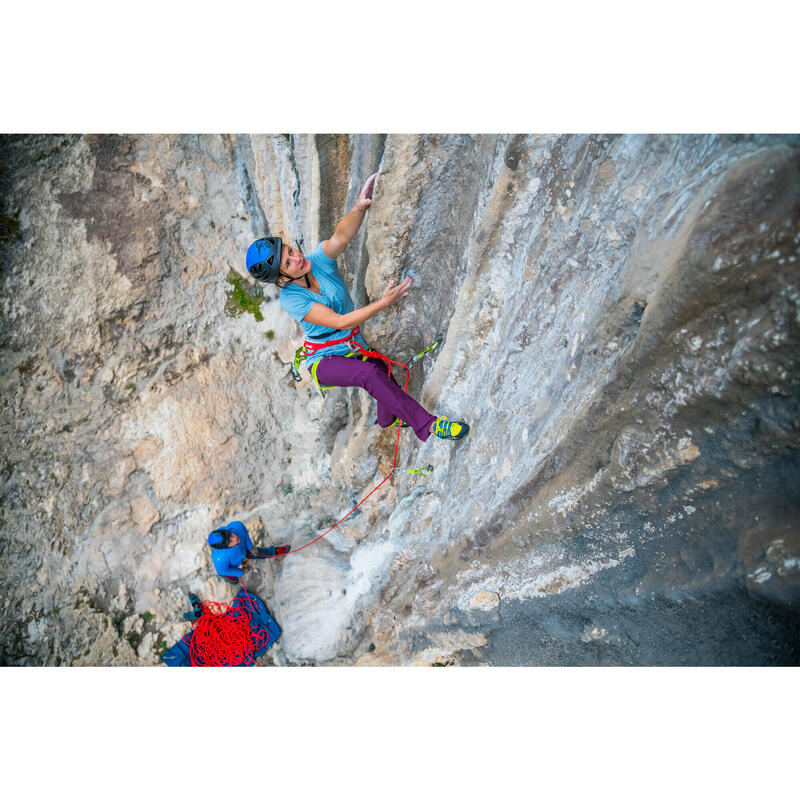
{"type": "Point", "coordinates": [620, 319]}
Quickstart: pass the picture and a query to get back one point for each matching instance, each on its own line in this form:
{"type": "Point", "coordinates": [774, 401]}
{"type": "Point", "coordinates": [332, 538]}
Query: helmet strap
{"type": "Point", "coordinates": [291, 280]}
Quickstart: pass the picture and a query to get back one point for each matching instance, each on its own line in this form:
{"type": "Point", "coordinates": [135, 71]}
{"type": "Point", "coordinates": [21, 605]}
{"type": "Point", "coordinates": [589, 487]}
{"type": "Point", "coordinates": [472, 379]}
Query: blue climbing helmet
{"type": "Point", "coordinates": [219, 539]}
{"type": "Point", "coordinates": [264, 259]}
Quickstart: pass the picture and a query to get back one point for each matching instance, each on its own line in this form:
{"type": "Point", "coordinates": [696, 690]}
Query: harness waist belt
{"type": "Point", "coordinates": [312, 347]}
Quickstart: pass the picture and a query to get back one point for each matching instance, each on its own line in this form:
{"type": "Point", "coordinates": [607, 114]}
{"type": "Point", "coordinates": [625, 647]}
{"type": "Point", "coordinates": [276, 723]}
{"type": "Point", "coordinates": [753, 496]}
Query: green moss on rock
{"type": "Point", "coordinates": [243, 296]}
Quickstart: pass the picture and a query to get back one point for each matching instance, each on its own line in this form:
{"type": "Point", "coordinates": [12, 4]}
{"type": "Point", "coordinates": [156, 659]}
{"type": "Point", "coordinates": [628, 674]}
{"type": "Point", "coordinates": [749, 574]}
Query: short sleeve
{"type": "Point", "coordinates": [296, 303]}
{"type": "Point", "coordinates": [327, 264]}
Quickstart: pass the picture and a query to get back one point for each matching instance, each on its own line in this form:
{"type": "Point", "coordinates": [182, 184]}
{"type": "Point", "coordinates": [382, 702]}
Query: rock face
{"type": "Point", "coordinates": [620, 320]}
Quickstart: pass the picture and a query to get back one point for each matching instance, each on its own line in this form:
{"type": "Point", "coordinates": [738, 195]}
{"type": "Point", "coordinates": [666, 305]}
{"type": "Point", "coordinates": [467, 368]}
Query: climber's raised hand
{"type": "Point", "coordinates": [365, 196]}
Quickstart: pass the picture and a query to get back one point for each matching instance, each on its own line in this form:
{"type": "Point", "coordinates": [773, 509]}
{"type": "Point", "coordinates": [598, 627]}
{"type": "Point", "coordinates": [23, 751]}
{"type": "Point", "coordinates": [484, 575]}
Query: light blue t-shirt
{"type": "Point", "coordinates": [298, 300]}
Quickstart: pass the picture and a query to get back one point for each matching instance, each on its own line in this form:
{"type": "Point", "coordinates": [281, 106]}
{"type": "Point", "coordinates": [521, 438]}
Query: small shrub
{"type": "Point", "coordinates": [242, 297]}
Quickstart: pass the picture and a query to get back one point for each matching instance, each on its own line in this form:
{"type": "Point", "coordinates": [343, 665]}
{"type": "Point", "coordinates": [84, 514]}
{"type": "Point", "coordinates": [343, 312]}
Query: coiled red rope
{"type": "Point", "coordinates": [224, 636]}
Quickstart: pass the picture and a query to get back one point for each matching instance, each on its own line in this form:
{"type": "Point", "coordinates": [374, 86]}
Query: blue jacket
{"type": "Point", "coordinates": [229, 561]}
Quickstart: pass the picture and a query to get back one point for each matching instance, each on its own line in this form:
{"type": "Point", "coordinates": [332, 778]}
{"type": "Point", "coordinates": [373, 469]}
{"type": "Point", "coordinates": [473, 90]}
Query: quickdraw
{"type": "Point", "coordinates": [419, 471]}
{"type": "Point", "coordinates": [429, 349]}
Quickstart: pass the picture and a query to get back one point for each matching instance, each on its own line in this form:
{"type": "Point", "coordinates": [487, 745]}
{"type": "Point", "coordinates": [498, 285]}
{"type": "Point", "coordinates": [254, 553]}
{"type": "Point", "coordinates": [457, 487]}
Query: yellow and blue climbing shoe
{"type": "Point", "coordinates": [402, 424]}
{"type": "Point", "coordinates": [445, 429]}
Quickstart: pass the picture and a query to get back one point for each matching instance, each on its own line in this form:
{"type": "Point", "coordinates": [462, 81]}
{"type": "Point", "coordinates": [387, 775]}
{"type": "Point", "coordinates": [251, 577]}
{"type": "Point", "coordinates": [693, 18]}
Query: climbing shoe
{"type": "Point", "coordinates": [400, 422]}
{"type": "Point", "coordinates": [282, 550]}
{"type": "Point", "coordinates": [445, 429]}
{"type": "Point", "coordinates": [197, 608]}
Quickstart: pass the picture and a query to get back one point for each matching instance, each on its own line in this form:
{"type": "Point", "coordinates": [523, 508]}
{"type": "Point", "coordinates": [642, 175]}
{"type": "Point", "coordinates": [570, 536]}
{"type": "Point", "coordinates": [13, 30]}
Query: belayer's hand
{"type": "Point", "coordinates": [365, 197]}
{"type": "Point", "coordinates": [392, 292]}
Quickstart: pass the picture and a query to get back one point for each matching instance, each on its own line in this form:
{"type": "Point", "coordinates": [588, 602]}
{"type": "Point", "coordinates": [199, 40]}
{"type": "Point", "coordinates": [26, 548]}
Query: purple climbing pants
{"type": "Point", "coordinates": [373, 376]}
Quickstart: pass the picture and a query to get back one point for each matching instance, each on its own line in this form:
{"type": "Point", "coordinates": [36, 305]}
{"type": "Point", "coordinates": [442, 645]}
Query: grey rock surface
{"type": "Point", "coordinates": [620, 319]}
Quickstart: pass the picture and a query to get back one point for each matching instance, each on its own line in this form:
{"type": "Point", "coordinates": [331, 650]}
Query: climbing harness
{"type": "Point", "coordinates": [365, 354]}
{"type": "Point", "coordinates": [309, 347]}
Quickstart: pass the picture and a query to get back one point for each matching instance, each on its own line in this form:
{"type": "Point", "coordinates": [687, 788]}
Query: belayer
{"type": "Point", "coordinates": [231, 545]}
{"type": "Point", "coordinates": [313, 292]}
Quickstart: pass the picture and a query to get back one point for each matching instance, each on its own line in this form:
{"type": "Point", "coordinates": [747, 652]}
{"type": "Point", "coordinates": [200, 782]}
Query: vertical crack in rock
{"type": "Point", "coordinates": [258, 221]}
{"type": "Point", "coordinates": [335, 169]}
{"type": "Point", "coordinates": [372, 151]}
{"type": "Point", "coordinates": [297, 210]}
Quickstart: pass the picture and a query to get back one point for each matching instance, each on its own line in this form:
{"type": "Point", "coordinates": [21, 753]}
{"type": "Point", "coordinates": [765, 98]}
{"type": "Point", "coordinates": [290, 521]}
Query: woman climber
{"type": "Point", "coordinates": [313, 292]}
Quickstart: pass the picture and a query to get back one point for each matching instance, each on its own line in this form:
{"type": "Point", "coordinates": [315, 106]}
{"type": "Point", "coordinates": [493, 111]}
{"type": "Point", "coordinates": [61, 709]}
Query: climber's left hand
{"type": "Point", "coordinates": [365, 197]}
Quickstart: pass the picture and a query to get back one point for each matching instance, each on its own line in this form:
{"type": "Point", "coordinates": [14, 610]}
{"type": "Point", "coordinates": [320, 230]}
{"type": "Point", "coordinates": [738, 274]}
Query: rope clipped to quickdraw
{"type": "Point", "coordinates": [395, 470]}
{"type": "Point", "coordinates": [224, 635]}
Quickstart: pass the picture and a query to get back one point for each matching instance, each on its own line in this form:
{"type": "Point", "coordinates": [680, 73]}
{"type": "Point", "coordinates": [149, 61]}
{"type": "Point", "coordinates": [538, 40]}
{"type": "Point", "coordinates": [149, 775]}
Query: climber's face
{"type": "Point", "coordinates": [234, 540]}
{"type": "Point", "coordinates": [294, 263]}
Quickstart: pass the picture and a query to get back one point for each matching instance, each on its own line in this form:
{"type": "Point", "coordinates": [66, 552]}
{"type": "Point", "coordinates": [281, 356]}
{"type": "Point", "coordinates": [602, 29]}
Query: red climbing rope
{"type": "Point", "coordinates": [224, 635]}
